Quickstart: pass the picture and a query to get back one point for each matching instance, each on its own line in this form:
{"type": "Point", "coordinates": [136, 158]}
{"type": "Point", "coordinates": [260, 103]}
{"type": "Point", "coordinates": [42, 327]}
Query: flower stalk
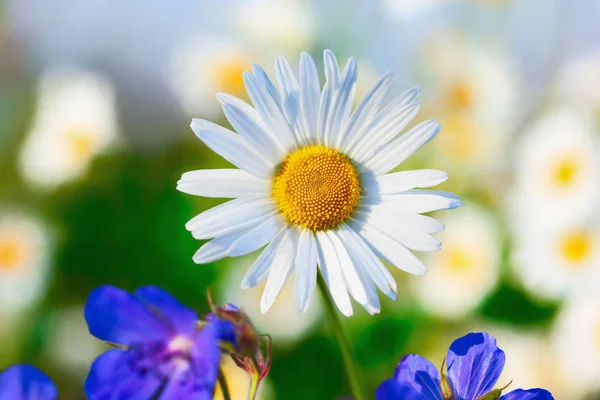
{"type": "Point", "coordinates": [335, 324]}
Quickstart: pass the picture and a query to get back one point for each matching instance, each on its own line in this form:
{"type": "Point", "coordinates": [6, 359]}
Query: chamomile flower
{"type": "Point", "coordinates": [577, 339]}
{"type": "Point", "coordinates": [466, 269]}
{"type": "Point", "coordinates": [557, 170]}
{"type": "Point", "coordinates": [75, 120]}
{"type": "Point", "coordinates": [204, 64]}
{"type": "Point", "coordinates": [24, 261]}
{"type": "Point", "coordinates": [476, 97]}
{"type": "Point", "coordinates": [313, 185]}
{"type": "Point", "coordinates": [551, 261]}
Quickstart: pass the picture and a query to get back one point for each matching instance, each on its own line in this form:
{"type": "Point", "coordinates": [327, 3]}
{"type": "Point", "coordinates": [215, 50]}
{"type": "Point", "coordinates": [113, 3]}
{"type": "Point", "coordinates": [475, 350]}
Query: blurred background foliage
{"type": "Point", "coordinates": [95, 101]}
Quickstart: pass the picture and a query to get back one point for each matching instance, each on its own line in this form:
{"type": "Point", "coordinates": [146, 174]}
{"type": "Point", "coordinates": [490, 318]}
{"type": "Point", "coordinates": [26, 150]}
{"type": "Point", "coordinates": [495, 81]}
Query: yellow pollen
{"type": "Point", "coordinates": [317, 188]}
{"type": "Point", "coordinates": [565, 172]}
{"type": "Point", "coordinates": [576, 247]}
{"type": "Point", "coordinates": [229, 75]}
{"type": "Point", "coordinates": [12, 253]}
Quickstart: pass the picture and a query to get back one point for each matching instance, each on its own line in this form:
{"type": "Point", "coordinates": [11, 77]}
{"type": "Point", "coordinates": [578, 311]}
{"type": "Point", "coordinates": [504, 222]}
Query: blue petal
{"type": "Point", "coordinates": [474, 365]}
{"type": "Point", "coordinates": [206, 357]}
{"type": "Point", "coordinates": [530, 394]}
{"type": "Point", "coordinates": [113, 376]}
{"type": "Point", "coordinates": [415, 378]}
{"type": "Point", "coordinates": [182, 319]}
{"type": "Point", "coordinates": [119, 317]}
{"type": "Point", "coordinates": [24, 382]}
{"type": "Point", "coordinates": [186, 385]}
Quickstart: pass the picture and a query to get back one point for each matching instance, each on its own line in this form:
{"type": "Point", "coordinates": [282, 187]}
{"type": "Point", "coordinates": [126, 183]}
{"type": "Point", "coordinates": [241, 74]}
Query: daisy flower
{"type": "Point", "coordinates": [313, 185]}
{"type": "Point", "coordinates": [551, 261]}
{"type": "Point", "coordinates": [24, 261]}
{"type": "Point", "coordinates": [204, 64]}
{"type": "Point", "coordinates": [25, 382]}
{"type": "Point", "coordinates": [466, 269]}
{"type": "Point", "coordinates": [75, 120]}
{"type": "Point", "coordinates": [557, 170]}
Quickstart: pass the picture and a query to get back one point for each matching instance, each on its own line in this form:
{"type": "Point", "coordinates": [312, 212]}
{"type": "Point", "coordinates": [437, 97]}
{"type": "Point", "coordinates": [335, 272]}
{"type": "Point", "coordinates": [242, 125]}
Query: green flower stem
{"type": "Point", "coordinates": [223, 385]}
{"type": "Point", "coordinates": [335, 324]}
{"type": "Point", "coordinates": [254, 382]}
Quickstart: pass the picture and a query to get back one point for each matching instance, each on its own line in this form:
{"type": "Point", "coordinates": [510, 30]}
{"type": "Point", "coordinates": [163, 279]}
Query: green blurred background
{"type": "Point", "coordinates": [96, 97]}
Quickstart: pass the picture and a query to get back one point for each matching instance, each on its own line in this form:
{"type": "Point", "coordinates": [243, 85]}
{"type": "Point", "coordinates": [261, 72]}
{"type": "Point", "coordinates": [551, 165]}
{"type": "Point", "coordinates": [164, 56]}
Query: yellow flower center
{"type": "Point", "coordinates": [461, 95]}
{"type": "Point", "coordinates": [459, 260]}
{"type": "Point", "coordinates": [316, 187]}
{"type": "Point", "coordinates": [576, 247]}
{"type": "Point", "coordinates": [82, 144]}
{"type": "Point", "coordinates": [229, 75]}
{"type": "Point", "coordinates": [565, 172]}
{"type": "Point", "coordinates": [12, 253]}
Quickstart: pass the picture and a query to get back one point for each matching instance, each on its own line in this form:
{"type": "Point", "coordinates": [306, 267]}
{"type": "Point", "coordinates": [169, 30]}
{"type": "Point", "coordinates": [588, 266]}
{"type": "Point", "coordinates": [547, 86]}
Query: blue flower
{"type": "Point", "coordinates": [24, 382]}
{"type": "Point", "coordinates": [165, 354]}
{"type": "Point", "coordinates": [474, 366]}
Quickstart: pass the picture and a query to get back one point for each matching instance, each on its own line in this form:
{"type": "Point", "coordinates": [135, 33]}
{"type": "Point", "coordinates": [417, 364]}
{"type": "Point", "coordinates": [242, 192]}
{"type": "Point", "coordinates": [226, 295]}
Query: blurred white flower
{"type": "Point", "coordinates": [531, 361]}
{"type": "Point", "coordinates": [557, 171]}
{"type": "Point", "coordinates": [577, 339]}
{"type": "Point", "coordinates": [579, 80]}
{"type": "Point", "coordinates": [24, 261]}
{"type": "Point", "coordinates": [69, 344]}
{"type": "Point", "coordinates": [284, 26]}
{"type": "Point", "coordinates": [282, 322]}
{"type": "Point", "coordinates": [550, 261]}
{"type": "Point", "coordinates": [476, 92]}
{"type": "Point", "coordinates": [238, 382]}
{"type": "Point", "coordinates": [467, 267]}
{"type": "Point", "coordinates": [75, 120]}
{"type": "Point", "coordinates": [204, 65]}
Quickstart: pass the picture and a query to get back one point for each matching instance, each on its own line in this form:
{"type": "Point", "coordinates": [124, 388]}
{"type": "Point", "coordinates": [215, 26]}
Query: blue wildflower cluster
{"type": "Point", "coordinates": [163, 350]}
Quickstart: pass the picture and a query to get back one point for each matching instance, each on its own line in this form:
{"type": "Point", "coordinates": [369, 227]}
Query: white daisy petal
{"type": "Point", "coordinates": [256, 237]}
{"type": "Point", "coordinates": [383, 128]}
{"type": "Point", "coordinates": [365, 111]}
{"type": "Point", "coordinates": [254, 133]}
{"type": "Point", "coordinates": [232, 216]}
{"type": "Point", "coordinates": [280, 269]}
{"type": "Point", "coordinates": [217, 248]}
{"type": "Point", "coordinates": [353, 282]}
{"type": "Point", "coordinates": [290, 94]}
{"type": "Point", "coordinates": [310, 95]}
{"type": "Point", "coordinates": [363, 256]}
{"type": "Point", "coordinates": [306, 270]}
{"type": "Point", "coordinates": [409, 97]}
{"type": "Point", "coordinates": [342, 104]}
{"type": "Point", "coordinates": [398, 150]}
{"type": "Point", "coordinates": [415, 239]}
{"type": "Point", "coordinates": [332, 82]}
{"type": "Point", "coordinates": [332, 273]}
{"type": "Point", "coordinates": [269, 108]}
{"type": "Point", "coordinates": [224, 183]}
{"type": "Point", "coordinates": [388, 249]}
{"type": "Point", "coordinates": [402, 181]}
{"type": "Point", "coordinates": [417, 222]}
{"type": "Point", "coordinates": [226, 98]}
{"type": "Point", "coordinates": [232, 147]}
{"type": "Point", "coordinates": [415, 200]}
{"type": "Point", "coordinates": [259, 271]}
